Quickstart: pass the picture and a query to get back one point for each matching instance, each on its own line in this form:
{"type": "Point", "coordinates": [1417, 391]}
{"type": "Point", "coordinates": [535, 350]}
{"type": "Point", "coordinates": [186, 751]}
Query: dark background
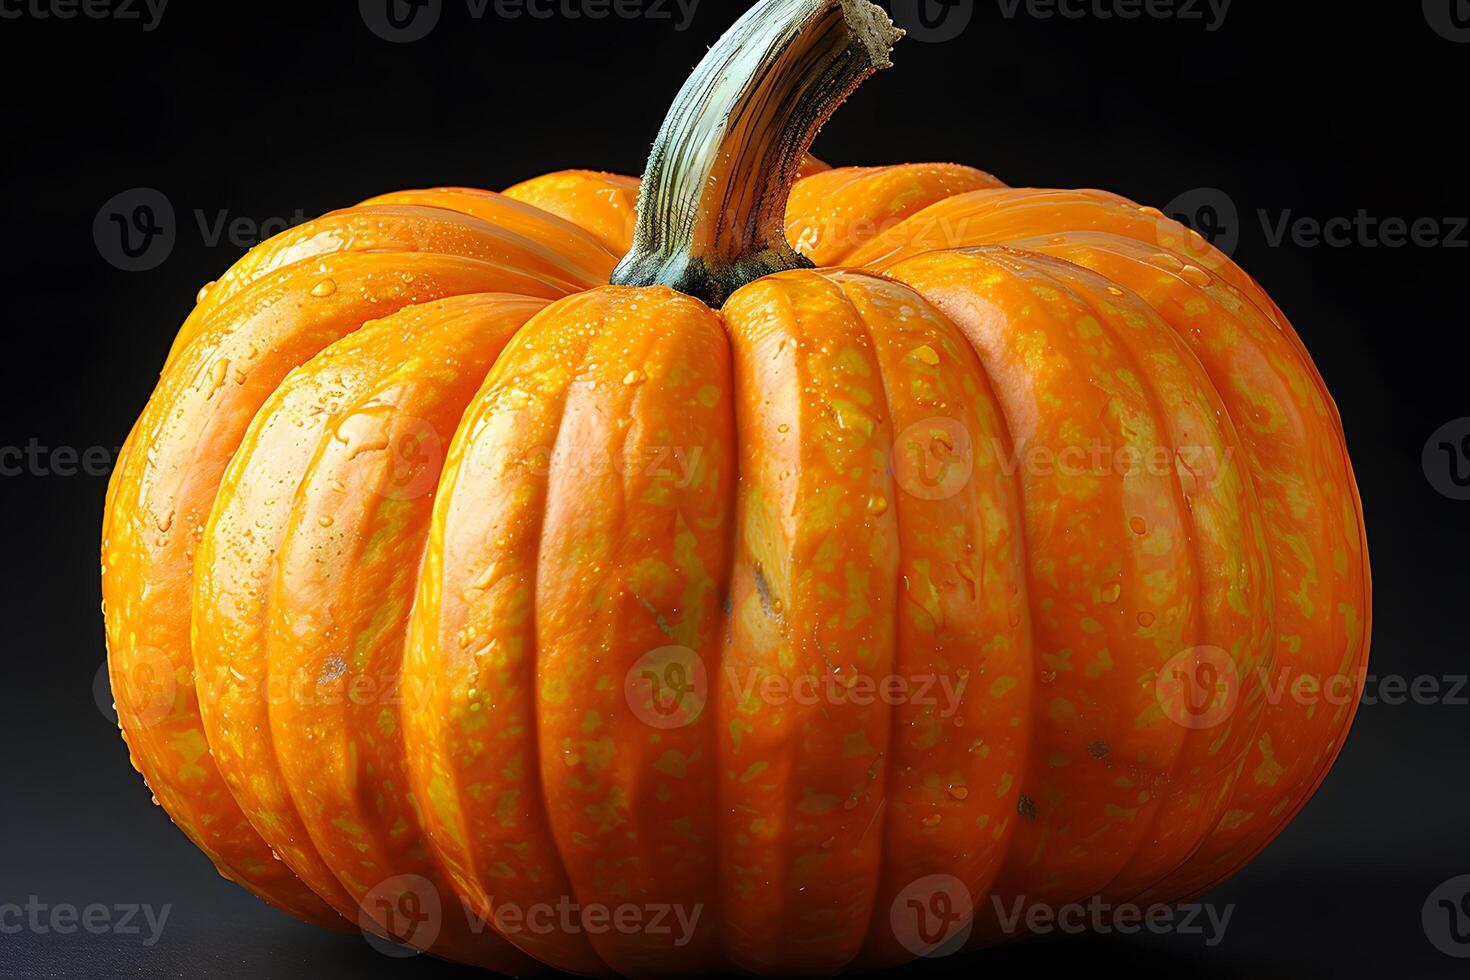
{"type": "Point", "coordinates": [1322, 110]}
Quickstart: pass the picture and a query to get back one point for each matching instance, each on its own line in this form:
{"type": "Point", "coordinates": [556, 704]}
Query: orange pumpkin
{"type": "Point", "coordinates": [772, 617]}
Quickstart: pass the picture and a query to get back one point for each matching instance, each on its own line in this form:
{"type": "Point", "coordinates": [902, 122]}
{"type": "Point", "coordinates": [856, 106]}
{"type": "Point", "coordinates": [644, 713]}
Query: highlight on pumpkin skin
{"type": "Point", "coordinates": [314, 538]}
{"type": "Point", "coordinates": [853, 564]}
{"type": "Point", "coordinates": [543, 244]}
{"type": "Point", "coordinates": [163, 489]}
{"type": "Point", "coordinates": [604, 204]}
{"type": "Point", "coordinates": [831, 215]}
{"type": "Point", "coordinates": [1301, 475]}
{"type": "Point", "coordinates": [1105, 551]}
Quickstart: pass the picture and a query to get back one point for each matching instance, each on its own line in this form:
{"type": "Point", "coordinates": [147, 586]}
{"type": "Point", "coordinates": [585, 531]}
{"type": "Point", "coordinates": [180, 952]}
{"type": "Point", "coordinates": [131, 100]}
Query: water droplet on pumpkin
{"type": "Point", "coordinates": [783, 427]}
{"type": "Point", "coordinates": [203, 291]}
{"type": "Point", "coordinates": [959, 792]}
{"type": "Point", "coordinates": [1145, 619]}
{"type": "Point", "coordinates": [1111, 591]}
{"type": "Point", "coordinates": [932, 820]}
{"type": "Point", "coordinates": [926, 355]}
{"type": "Point", "coordinates": [1138, 524]}
{"type": "Point", "coordinates": [1195, 276]}
{"type": "Point", "coordinates": [1114, 291]}
{"type": "Point", "coordinates": [324, 288]}
{"type": "Point", "coordinates": [634, 377]}
{"type": "Point", "coordinates": [877, 504]}
{"type": "Point", "coordinates": [325, 520]}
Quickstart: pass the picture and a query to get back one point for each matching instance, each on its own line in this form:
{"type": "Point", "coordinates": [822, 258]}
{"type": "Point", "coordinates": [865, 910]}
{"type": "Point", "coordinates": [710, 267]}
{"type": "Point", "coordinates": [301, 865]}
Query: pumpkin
{"type": "Point", "coordinates": [811, 561]}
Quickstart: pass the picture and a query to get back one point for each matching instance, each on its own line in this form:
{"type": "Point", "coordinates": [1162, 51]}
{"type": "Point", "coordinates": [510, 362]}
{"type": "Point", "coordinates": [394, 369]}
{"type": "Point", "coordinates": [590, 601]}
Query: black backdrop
{"type": "Point", "coordinates": [1281, 112]}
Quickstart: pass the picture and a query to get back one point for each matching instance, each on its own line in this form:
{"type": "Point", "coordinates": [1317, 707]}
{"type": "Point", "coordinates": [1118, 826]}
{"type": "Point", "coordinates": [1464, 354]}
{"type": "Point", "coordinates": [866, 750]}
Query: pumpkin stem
{"type": "Point", "coordinates": [712, 208]}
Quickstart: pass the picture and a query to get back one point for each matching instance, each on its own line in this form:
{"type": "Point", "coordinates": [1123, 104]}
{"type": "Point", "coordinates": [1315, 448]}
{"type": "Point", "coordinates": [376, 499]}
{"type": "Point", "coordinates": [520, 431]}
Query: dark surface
{"type": "Point", "coordinates": [1306, 107]}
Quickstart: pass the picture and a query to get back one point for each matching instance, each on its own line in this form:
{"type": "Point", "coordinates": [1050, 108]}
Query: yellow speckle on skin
{"type": "Point", "coordinates": [1001, 685]}
{"type": "Point", "coordinates": [1270, 770]}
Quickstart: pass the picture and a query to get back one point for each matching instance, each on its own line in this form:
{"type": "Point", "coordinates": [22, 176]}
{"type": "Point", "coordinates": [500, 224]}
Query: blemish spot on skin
{"type": "Point", "coordinates": [768, 603]}
{"type": "Point", "coordinates": [334, 668]}
{"type": "Point", "coordinates": [1026, 807]}
{"type": "Point", "coordinates": [1099, 750]}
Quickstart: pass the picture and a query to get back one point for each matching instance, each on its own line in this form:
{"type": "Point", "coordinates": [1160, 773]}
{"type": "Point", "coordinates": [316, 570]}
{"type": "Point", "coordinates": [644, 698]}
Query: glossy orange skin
{"type": "Point", "coordinates": [416, 497]}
